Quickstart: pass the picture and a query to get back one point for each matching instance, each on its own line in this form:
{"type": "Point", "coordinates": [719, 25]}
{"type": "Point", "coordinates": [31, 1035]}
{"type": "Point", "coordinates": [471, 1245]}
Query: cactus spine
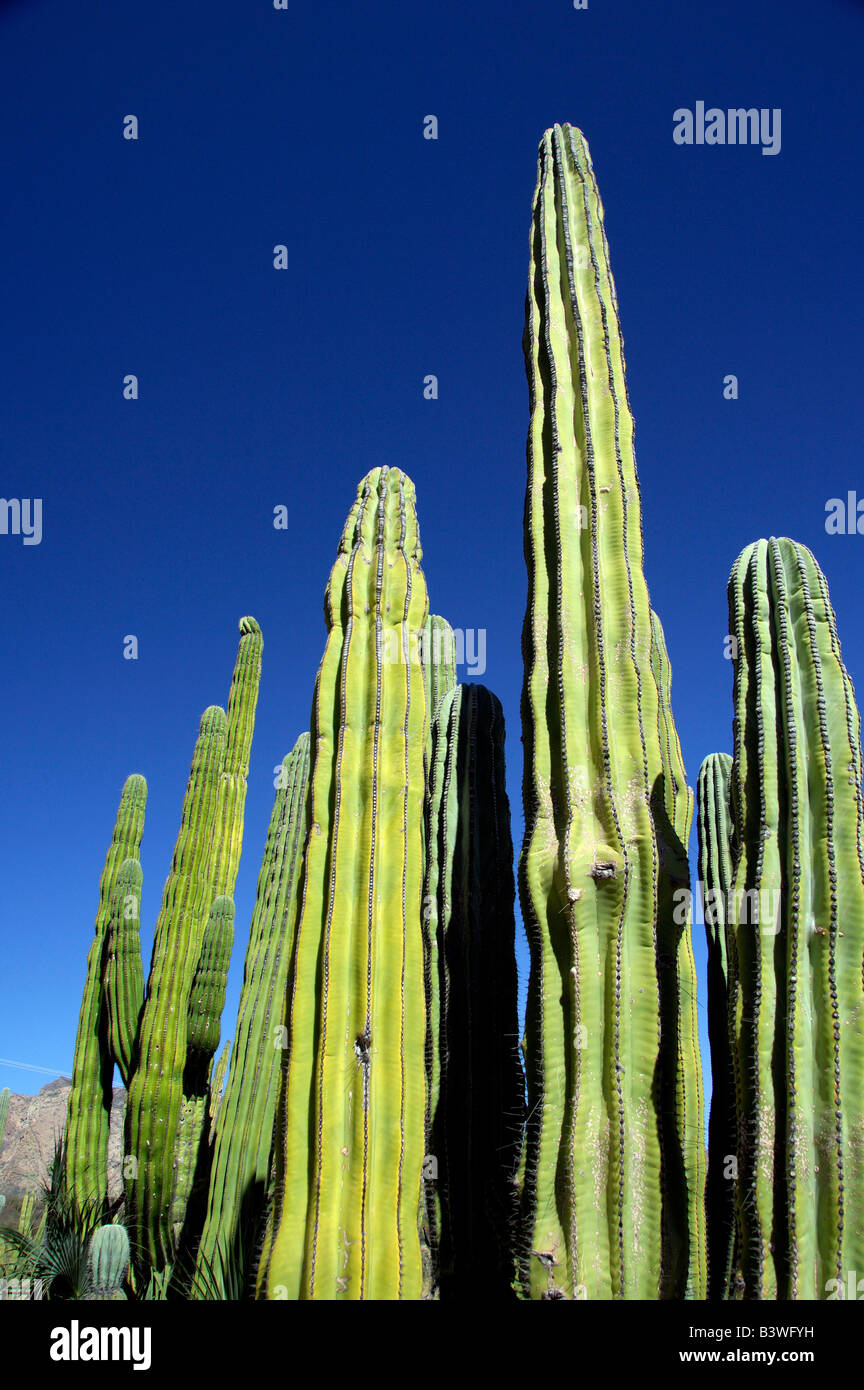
{"type": "Point", "coordinates": [474, 1074]}
{"type": "Point", "coordinates": [796, 940]}
{"type": "Point", "coordinates": [715, 877]}
{"type": "Point", "coordinates": [243, 1126]}
{"type": "Point", "coordinates": [351, 1119]}
{"type": "Point", "coordinates": [438, 656]}
{"type": "Point", "coordinates": [89, 1106]}
{"type": "Point", "coordinates": [600, 1163]}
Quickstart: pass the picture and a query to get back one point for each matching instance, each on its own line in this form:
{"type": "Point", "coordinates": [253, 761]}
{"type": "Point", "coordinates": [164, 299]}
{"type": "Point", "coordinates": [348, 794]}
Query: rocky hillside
{"type": "Point", "coordinates": [32, 1129]}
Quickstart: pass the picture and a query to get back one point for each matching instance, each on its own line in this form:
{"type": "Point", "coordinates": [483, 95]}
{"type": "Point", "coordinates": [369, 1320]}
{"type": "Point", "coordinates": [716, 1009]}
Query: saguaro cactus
{"type": "Point", "coordinates": [474, 1075]}
{"type": "Point", "coordinates": [243, 1127]}
{"type": "Point", "coordinates": [349, 1145]}
{"type": "Point", "coordinates": [607, 1153]}
{"type": "Point", "coordinates": [796, 940]}
{"type": "Point", "coordinates": [715, 878]}
{"type": "Point", "coordinates": [89, 1105]}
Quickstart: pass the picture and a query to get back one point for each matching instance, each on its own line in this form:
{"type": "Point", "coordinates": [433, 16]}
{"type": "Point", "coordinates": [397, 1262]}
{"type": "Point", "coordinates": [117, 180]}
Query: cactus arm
{"type": "Point", "coordinates": [124, 973]}
{"type": "Point", "coordinates": [89, 1105]}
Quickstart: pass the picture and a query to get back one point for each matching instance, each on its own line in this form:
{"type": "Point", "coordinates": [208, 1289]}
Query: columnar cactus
{"type": "Point", "coordinates": [156, 1091]}
{"type": "Point", "coordinates": [124, 974]}
{"type": "Point", "coordinates": [4, 1111]}
{"type": "Point", "coordinates": [350, 1132]}
{"type": "Point", "coordinates": [604, 1172]}
{"type": "Point", "coordinates": [796, 940]}
{"type": "Point", "coordinates": [474, 1074]}
{"type": "Point", "coordinates": [108, 1258]}
{"type": "Point", "coordinates": [207, 995]}
{"type": "Point", "coordinates": [89, 1105]}
{"type": "Point", "coordinates": [715, 878]}
{"type": "Point", "coordinates": [438, 657]}
{"type": "Point", "coordinates": [243, 1126]}
{"type": "Point", "coordinates": [204, 868]}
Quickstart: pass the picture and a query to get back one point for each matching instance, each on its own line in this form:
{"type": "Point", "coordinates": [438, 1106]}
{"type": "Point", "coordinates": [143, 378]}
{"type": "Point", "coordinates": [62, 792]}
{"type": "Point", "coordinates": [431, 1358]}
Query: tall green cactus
{"type": "Point", "coordinates": [796, 940]}
{"type": "Point", "coordinates": [243, 1127]}
{"type": "Point", "coordinates": [89, 1106]}
{"type": "Point", "coordinates": [123, 982]}
{"type": "Point", "coordinates": [349, 1144]}
{"type": "Point", "coordinates": [715, 878]}
{"type": "Point", "coordinates": [609, 1159]}
{"type": "Point", "coordinates": [474, 1075]}
{"type": "Point", "coordinates": [156, 1091]}
{"type": "Point", "coordinates": [438, 658]}
{"type": "Point", "coordinates": [204, 868]}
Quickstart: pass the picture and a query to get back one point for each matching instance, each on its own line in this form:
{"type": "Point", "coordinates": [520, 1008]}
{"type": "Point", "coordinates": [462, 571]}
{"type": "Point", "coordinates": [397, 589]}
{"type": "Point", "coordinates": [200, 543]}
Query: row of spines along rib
{"type": "Point", "coordinates": [475, 1089]}
{"type": "Point", "coordinates": [243, 1125]}
{"type": "Point", "coordinates": [600, 1163]}
{"type": "Point", "coordinates": [90, 1095]}
{"type": "Point", "coordinates": [796, 937]}
{"type": "Point", "coordinates": [206, 858]}
{"type": "Point", "coordinates": [350, 1131]}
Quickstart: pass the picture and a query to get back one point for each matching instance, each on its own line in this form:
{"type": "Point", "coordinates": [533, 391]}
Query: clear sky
{"type": "Point", "coordinates": [257, 387]}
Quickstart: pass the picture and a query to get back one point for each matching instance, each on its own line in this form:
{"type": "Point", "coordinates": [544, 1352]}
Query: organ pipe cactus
{"type": "Point", "coordinates": [604, 1173]}
{"type": "Point", "coordinates": [156, 1094]}
{"type": "Point", "coordinates": [243, 1126]}
{"type": "Point", "coordinates": [438, 657]}
{"type": "Point", "coordinates": [350, 1133]}
{"type": "Point", "coordinates": [474, 1074]}
{"type": "Point", "coordinates": [89, 1105]}
{"type": "Point", "coordinates": [715, 878]}
{"type": "Point", "coordinates": [796, 938]}
{"type": "Point", "coordinates": [124, 974]}
{"type": "Point", "coordinates": [206, 858]}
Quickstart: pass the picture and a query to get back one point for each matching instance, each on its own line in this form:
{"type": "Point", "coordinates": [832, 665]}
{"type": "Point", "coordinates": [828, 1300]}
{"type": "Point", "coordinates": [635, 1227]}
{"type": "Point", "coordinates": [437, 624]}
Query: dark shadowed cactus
{"type": "Point", "coordinates": [350, 1131]}
{"type": "Point", "coordinates": [796, 938]}
{"type": "Point", "coordinates": [89, 1106]}
{"type": "Point", "coordinates": [715, 878]}
{"type": "Point", "coordinates": [243, 1127]}
{"type": "Point", "coordinates": [614, 1158]}
{"type": "Point", "coordinates": [207, 995]}
{"type": "Point", "coordinates": [123, 983]}
{"type": "Point", "coordinates": [474, 1075]}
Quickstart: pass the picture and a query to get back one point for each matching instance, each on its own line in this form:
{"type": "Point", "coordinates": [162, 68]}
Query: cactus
{"type": "Point", "coordinates": [243, 1126]}
{"type": "Point", "coordinates": [155, 1093]}
{"type": "Point", "coordinates": [25, 1216]}
{"type": "Point", "coordinates": [438, 658]}
{"type": "Point", "coordinates": [123, 982]}
{"type": "Point", "coordinates": [89, 1105]}
{"type": "Point", "coordinates": [108, 1257]}
{"type": "Point", "coordinates": [613, 1169]}
{"type": "Point", "coordinates": [5, 1096]}
{"type": "Point", "coordinates": [715, 878]}
{"type": "Point", "coordinates": [796, 937]}
{"type": "Point", "coordinates": [350, 1128]}
{"type": "Point", "coordinates": [207, 995]}
{"type": "Point", "coordinates": [217, 1084]}
{"type": "Point", "coordinates": [475, 1086]}
{"type": "Point", "coordinates": [204, 867]}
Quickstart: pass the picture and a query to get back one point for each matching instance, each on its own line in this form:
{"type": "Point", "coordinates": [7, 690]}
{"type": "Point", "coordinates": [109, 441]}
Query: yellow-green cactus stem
{"type": "Point", "coordinates": [350, 1134]}
{"type": "Point", "coordinates": [715, 878]}
{"type": "Point", "coordinates": [124, 973]}
{"type": "Point", "coordinates": [243, 1125]}
{"type": "Point", "coordinates": [611, 1192]}
{"type": "Point", "coordinates": [90, 1096]}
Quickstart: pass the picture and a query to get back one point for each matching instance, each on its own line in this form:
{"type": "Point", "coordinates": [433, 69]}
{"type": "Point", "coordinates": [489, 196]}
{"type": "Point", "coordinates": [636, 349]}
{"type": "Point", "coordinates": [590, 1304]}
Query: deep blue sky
{"type": "Point", "coordinates": [259, 387]}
